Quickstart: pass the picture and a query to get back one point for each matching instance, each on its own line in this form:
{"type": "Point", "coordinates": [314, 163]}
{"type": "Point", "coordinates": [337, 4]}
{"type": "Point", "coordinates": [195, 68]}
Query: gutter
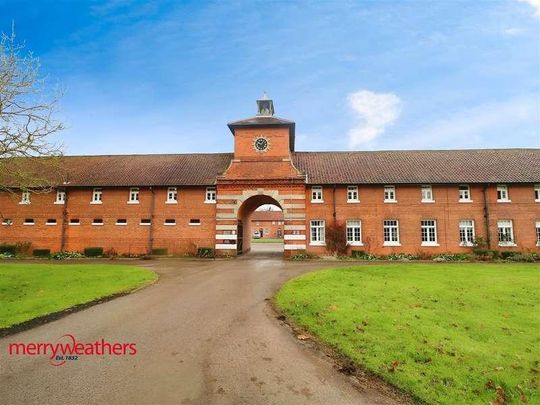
{"type": "Point", "coordinates": [151, 230]}
{"type": "Point", "coordinates": [486, 216]}
{"type": "Point", "coordinates": [63, 235]}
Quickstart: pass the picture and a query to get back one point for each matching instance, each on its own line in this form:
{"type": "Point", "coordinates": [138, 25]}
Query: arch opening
{"type": "Point", "coordinates": [265, 234]}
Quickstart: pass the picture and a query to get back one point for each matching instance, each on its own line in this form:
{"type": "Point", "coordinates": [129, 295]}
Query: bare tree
{"type": "Point", "coordinates": [27, 108]}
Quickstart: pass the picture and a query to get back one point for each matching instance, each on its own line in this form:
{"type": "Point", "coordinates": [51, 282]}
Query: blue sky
{"type": "Point", "coordinates": [166, 76]}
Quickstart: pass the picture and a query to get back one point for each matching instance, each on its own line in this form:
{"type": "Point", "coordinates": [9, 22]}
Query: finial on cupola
{"type": "Point", "coordinates": [265, 106]}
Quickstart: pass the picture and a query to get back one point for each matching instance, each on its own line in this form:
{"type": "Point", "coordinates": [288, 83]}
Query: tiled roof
{"type": "Point", "coordinates": [379, 167]}
{"type": "Point", "coordinates": [416, 167]}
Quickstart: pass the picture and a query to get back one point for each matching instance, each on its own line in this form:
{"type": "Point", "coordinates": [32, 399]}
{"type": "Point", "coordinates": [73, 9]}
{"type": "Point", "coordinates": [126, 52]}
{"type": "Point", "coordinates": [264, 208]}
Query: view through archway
{"type": "Point", "coordinates": [260, 227]}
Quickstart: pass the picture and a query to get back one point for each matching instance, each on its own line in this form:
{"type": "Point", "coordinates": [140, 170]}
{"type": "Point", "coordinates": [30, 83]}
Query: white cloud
{"type": "Point", "coordinates": [513, 31]}
{"type": "Point", "coordinates": [375, 111]}
{"type": "Point", "coordinates": [534, 4]}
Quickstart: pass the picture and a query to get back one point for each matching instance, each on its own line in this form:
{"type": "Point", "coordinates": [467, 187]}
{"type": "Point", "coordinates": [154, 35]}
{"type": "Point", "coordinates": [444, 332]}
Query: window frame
{"type": "Point", "coordinates": [72, 222]}
{"type": "Point", "coordinates": [29, 221]}
{"type": "Point", "coordinates": [538, 232]}
{"type": "Point", "coordinates": [386, 226]}
{"type": "Point", "coordinates": [97, 195]}
{"type": "Point", "coordinates": [134, 192]}
{"type": "Point", "coordinates": [7, 221]}
{"type": "Point", "coordinates": [351, 241]}
{"type": "Point", "coordinates": [51, 223]}
{"type": "Point", "coordinates": [118, 223]}
{"type": "Point", "coordinates": [192, 223]}
{"type": "Point", "coordinates": [507, 243]}
{"type": "Point", "coordinates": [503, 189]}
{"type": "Point", "coordinates": [60, 197]}
{"type": "Point", "coordinates": [537, 193]}
{"type": "Point", "coordinates": [429, 230]}
{"type": "Point", "coordinates": [317, 195]}
{"type": "Point", "coordinates": [467, 188]}
{"type": "Point", "coordinates": [212, 193]}
{"type": "Point", "coordinates": [423, 188]}
{"type": "Point", "coordinates": [464, 231]}
{"type": "Point", "coordinates": [320, 231]}
{"type": "Point", "coordinates": [390, 196]}
{"type": "Point", "coordinates": [167, 222]}
{"type": "Point", "coordinates": [354, 191]}
{"type": "Point", "coordinates": [149, 223]}
{"type": "Point", "coordinates": [94, 223]}
{"type": "Point", "coordinates": [172, 192]}
{"type": "Point", "coordinates": [25, 198]}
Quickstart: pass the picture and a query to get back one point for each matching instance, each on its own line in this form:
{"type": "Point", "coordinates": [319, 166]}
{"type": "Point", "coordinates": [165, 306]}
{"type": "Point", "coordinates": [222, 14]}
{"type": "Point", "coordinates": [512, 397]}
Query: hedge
{"type": "Point", "coordinates": [93, 251]}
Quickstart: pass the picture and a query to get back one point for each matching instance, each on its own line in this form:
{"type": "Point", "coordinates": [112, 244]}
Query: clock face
{"type": "Point", "coordinates": [261, 144]}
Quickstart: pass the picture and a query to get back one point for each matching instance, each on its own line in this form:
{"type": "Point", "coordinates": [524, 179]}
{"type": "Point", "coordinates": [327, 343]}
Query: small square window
{"type": "Point", "coordinates": [427, 194]}
{"type": "Point", "coordinates": [97, 196]}
{"type": "Point", "coordinates": [210, 195]}
{"type": "Point", "coordinates": [60, 196]}
{"type": "Point", "coordinates": [390, 194]}
{"type": "Point", "coordinates": [316, 194]}
{"type": "Point", "coordinates": [145, 221]}
{"type": "Point", "coordinates": [51, 221]}
{"type": "Point", "coordinates": [121, 221]}
{"type": "Point", "coordinates": [28, 221]}
{"type": "Point", "coordinates": [74, 221]}
{"type": "Point", "coordinates": [195, 221]}
{"type": "Point", "coordinates": [172, 195]}
{"type": "Point", "coordinates": [464, 193]}
{"type": "Point", "coordinates": [133, 195]}
{"type": "Point", "coordinates": [170, 221]}
{"type": "Point", "coordinates": [7, 221]}
{"type": "Point", "coordinates": [502, 193]}
{"type": "Point", "coordinates": [25, 197]}
{"type": "Point", "coordinates": [352, 194]}
{"type": "Point", "coordinates": [97, 221]}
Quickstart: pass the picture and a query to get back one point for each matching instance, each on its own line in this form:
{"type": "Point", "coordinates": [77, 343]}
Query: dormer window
{"type": "Point", "coordinates": [97, 194]}
{"type": "Point", "coordinates": [172, 196]}
{"type": "Point", "coordinates": [133, 195]}
{"type": "Point", "coordinates": [317, 194]}
{"type": "Point", "coordinates": [25, 197]}
{"type": "Point", "coordinates": [60, 196]}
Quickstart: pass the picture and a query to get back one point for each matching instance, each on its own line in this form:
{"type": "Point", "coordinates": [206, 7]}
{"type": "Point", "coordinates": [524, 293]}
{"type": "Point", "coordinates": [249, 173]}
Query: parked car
{"type": "Point", "coordinates": [256, 235]}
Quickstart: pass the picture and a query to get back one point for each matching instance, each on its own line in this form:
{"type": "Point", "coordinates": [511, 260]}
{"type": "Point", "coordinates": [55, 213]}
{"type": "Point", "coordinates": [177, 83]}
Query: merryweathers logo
{"type": "Point", "coordinates": [67, 348]}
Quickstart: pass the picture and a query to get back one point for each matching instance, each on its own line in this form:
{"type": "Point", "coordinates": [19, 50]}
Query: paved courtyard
{"type": "Point", "coordinates": [205, 334]}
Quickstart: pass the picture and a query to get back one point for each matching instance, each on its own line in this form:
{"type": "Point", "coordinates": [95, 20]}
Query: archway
{"type": "Point", "coordinates": [247, 230]}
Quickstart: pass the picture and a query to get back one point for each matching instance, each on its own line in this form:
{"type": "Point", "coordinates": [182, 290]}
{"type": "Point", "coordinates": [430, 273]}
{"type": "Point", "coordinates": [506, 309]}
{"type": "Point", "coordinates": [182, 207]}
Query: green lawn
{"type": "Point", "coordinates": [267, 240]}
{"type": "Point", "coordinates": [447, 333]}
{"type": "Point", "coordinates": [31, 290]}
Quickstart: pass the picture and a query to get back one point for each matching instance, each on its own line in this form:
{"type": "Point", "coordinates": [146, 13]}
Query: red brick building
{"type": "Point", "coordinates": [390, 201]}
{"type": "Point", "coordinates": [269, 224]}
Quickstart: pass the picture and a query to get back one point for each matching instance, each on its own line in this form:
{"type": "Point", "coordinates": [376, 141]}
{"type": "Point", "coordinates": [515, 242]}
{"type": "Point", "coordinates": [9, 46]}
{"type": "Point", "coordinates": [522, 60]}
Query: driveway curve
{"type": "Point", "coordinates": [205, 334]}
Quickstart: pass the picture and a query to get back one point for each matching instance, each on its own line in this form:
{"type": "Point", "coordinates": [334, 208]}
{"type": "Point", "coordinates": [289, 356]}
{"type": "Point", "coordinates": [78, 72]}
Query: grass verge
{"type": "Point", "coordinates": [445, 333]}
{"type": "Point", "coordinates": [28, 291]}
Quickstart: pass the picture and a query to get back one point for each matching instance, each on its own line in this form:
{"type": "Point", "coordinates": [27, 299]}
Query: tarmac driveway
{"type": "Point", "coordinates": [205, 334]}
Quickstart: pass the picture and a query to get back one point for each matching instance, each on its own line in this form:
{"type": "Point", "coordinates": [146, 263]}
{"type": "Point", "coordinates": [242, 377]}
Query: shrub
{"type": "Point", "coordinates": [41, 252]}
{"type": "Point", "coordinates": [206, 252]}
{"type": "Point", "coordinates": [6, 256]}
{"type": "Point", "coordinates": [401, 256]}
{"type": "Point", "coordinates": [93, 251]}
{"type": "Point", "coordinates": [336, 238]}
{"type": "Point", "coordinates": [362, 255]}
{"type": "Point", "coordinates": [302, 256]}
{"type": "Point", "coordinates": [8, 249]}
{"type": "Point", "coordinates": [65, 255]}
{"type": "Point", "coordinates": [23, 248]}
{"type": "Point", "coordinates": [451, 257]}
{"type": "Point", "coordinates": [159, 251]}
{"type": "Point", "coordinates": [508, 255]}
{"type": "Point", "coordinates": [524, 257]}
{"type": "Point", "coordinates": [111, 252]}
